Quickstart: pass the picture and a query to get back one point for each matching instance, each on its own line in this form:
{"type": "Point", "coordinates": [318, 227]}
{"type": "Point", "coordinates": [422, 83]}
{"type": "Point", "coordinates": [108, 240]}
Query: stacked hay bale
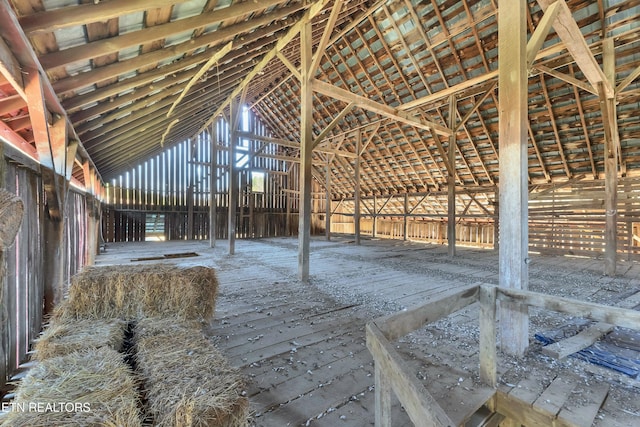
{"type": "Point", "coordinates": [188, 382]}
{"type": "Point", "coordinates": [185, 380]}
{"type": "Point", "coordinates": [90, 387]}
{"type": "Point", "coordinates": [145, 290]}
{"type": "Point", "coordinates": [62, 338]}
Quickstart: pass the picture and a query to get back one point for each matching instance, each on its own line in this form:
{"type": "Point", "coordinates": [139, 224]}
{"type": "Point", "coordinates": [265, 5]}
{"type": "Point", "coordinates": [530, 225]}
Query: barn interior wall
{"type": "Point", "coordinates": [23, 281]}
{"type": "Point", "coordinates": [564, 218]}
{"type": "Point", "coordinates": [177, 185]}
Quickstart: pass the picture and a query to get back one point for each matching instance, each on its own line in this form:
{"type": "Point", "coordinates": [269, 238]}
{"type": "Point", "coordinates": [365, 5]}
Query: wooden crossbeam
{"type": "Point", "coordinates": [567, 78]}
{"type": "Point", "coordinates": [333, 124]}
{"type": "Point", "coordinates": [335, 12]}
{"type": "Point", "coordinates": [292, 68]}
{"type": "Point", "coordinates": [375, 107]}
{"type": "Point", "coordinates": [11, 104]}
{"type": "Point", "coordinates": [282, 42]}
{"type": "Point", "coordinates": [217, 56]}
{"type": "Point", "coordinates": [64, 17]}
{"type": "Point", "coordinates": [158, 32]}
{"type": "Point", "coordinates": [476, 106]}
{"type": "Point", "coordinates": [40, 117]}
{"type": "Point", "coordinates": [570, 34]}
{"type": "Point", "coordinates": [18, 142]}
{"type": "Point", "coordinates": [10, 69]}
{"type": "Point", "coordinates": [628, 80]}
{"type": "Point", "coordinates": [542, 30]}
{"type": "Point", "coordinates": [210, 40]}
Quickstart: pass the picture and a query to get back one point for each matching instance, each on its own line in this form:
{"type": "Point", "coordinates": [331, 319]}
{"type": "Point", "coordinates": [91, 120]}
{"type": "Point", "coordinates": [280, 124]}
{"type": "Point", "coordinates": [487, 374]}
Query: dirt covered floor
{"type": "Point", "coordinates": [302, 346]}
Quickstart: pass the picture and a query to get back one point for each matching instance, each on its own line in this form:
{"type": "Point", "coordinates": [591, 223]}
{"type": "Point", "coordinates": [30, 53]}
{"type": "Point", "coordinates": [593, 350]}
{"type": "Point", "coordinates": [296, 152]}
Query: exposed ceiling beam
{"type": "Point", "coordinates": [97, 75]}
{"type": "Point", "coordinates": [217, 56]}
{"type": "Point", "coordinates": [567, 78]}
{"type": "Point", "coordinates": [333, 124]}
{"type": "Point", "coordinates": [541, 32]}
{"type": "Point", "coordinates": [452, 90]}
{"type": "Point", "coordinates": [328, 29]}
{"type": "Point", "coordinates": [173, 73]}
{"type": "Point", "coordinates": [315, 9]}
{"type": "Point", "coordinates": [628, 80]}
{"type": "Point", "coordinates": [11, 104]}
{"type": "Point", "coordinates": [40, 118]}
{"type": "Point", "coordinates": [158, 32]}
{"type": "Point", "coordinates": [570, 34]}
{"type": "Point", "coordinates": [12, 138]}
{"type": "Point", "coordinates": [292, 68]}
{"type": "Point", "coordinates": [51, 20]}
{"type": "Point", "coordinates": [377, 108]}
{"type": "Point", "coordinates": [10, 69]}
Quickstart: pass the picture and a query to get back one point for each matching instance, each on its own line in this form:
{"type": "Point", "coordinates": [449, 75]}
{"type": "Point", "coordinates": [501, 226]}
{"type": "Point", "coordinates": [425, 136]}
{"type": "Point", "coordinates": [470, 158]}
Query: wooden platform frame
{"type": "Point", "coordinates": [393, 374]}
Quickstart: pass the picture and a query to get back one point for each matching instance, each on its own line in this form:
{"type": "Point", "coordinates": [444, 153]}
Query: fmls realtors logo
{"type": "Point", "coordinates": [44, 407]}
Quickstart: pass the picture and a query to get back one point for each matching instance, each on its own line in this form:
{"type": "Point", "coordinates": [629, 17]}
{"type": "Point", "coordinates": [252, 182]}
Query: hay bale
{"type": "Point", "coordinates": [11, 213]}
{"type": "Point", "coordinates": [62, 338]}
{"type": "Point", "coordinates": [188, 382]}
{"type": "Point", "coordinates": [136, 291]}
{"type": "Point", "coordinates": [85, 388]}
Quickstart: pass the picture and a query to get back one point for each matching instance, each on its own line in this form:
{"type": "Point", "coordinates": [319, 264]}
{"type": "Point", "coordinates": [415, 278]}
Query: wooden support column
{"type": "Point", "coordinates": [213, 184]}
{"type": "Point", "coordinates": [93, 214]}
{"type": "Point", "coordinates": [327, 217]}
{"type": "Point", "coordinates": [191, 189]}
{"type": "Point", "coordinates": [512, 41]}
{"type": "Point", "coordinates": [451, 187]}
{"type": "Point", "coordinates": [4, 312]}
{"type": "Point", "coordinates": [53, 238]}
{"type": "Point", "coordinates": [288, 199]}
{"type": "Point", "coordinates": [496, 220]}
{"type": "Point", "coordinates": [306, 149]}
{"type": "Point", "coordinates": [233, 174]}
{"type": "Point", "coordinates": [612, 142]}
{"type": "Point", "coordinates": [375, 218]}
{"type": "Point", "coordinates": [405, 223]}
{"type": "Point", "coordinates": [356, 210]}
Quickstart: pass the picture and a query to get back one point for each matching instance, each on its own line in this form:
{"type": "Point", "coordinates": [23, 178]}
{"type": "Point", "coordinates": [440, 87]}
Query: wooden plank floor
{"type": "Point", "coordinates": [302, 346]}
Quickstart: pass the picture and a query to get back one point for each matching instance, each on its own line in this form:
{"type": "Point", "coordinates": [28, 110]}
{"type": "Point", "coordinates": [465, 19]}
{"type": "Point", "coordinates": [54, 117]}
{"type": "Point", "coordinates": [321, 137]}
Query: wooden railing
{"type": "Point", "coordinates": [393, 374]}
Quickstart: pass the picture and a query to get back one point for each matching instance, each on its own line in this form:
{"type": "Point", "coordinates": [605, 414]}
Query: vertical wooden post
{"type": "Point", "coordinates": [4, 312]}
{"type": "Point", "coordinates": [496, 220]}
{"type": "Point", "coordinates": [512, 40]}
{"type": "Point", "coordinates": [53, 239]}
{"type": "Point", "coordinates": [611, 138]}
{"type": "Point", "coordinates": [213, 184]}
{"type": "Point", "coordinates": [382, 398]}
{"type": "Point", "coordinates": [190, 189]}
{"type": "Point", "coordinates": [375, 217]}
{"type": "Point", "coordinates": [287, 196]}
{"type": "Point", "coordinates": [487, 298]}
{"type": "Point", "coordinates": [405, 222]}
{"type": "Point", "coordinates": [306, 147]}
{"type": "Point", "coordinates": [451, 182]}
{"type": "Point", "coordinates": [233, 173]}
{"type": "Point", "coordinates": [356, 210]}
{"type": "Point", "coordinates": [327, 218]}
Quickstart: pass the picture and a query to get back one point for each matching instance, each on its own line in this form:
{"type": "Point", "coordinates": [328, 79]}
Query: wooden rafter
{"type": "Point", "coordinates": [282, 42]}
{"type": "Point", "coordinates": [96, 75]}
{"type": "Point", "coordinates": [115, 44]}
{"type": "Point", "coordinates": [569, 32]}
{"type": "Point", "coordinates": [375, 107]}
{"type": "Point", "coordinates": [51, 20]}
{"type": "Point", "coordinates": [217, 56]}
